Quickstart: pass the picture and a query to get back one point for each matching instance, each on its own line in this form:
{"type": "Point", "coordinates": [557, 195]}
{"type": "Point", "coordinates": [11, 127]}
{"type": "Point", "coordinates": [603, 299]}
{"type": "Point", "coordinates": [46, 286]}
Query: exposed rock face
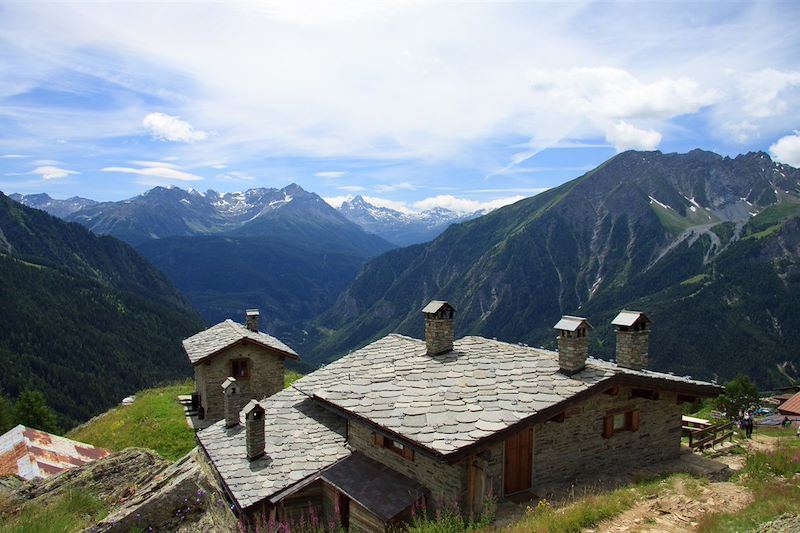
{"type": "Point", "coordinates": [182, 497]}
{"type": "Point", "coordinates": [113, 479]}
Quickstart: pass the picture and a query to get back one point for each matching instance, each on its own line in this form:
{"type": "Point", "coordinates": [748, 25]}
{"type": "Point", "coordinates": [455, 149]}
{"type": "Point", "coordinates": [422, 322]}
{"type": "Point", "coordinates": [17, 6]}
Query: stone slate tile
{"type": "Point", "coordinates": [481, 387]}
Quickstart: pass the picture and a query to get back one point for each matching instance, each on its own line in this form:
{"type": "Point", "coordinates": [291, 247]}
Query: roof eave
{"type": "Point", "coordinates": [695, 389]}
{"type": "Point", "coordinates": [243, 340]}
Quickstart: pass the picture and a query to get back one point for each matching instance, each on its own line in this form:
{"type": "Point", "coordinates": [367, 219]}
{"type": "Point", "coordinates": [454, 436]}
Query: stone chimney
{"type": "Point", "coordinates": [251, 319]}
{"type": "Point", "coordinates": [230, 393]}
{"type": "Point", "coordinates": [254, 430]}
{"type": "Point", "coordinates": [573, 344]}
{"type": "Point", "coordinates": [438, 327]}
{"type": "Point", "coordinates": [633, 336]}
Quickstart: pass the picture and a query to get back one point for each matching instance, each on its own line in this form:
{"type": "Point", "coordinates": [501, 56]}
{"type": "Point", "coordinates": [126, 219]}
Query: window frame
{"type": "Point", "coordinates": [240, 361]}
{"type": "Point", "coordinates": [630, 423]}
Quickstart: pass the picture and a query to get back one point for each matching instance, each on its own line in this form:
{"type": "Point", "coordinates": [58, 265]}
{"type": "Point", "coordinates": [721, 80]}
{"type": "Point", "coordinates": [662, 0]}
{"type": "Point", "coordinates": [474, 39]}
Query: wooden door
{"type": "Point", "coordinates": [344, 510]}
{"type": "Point", "coordinates": [519, 461]}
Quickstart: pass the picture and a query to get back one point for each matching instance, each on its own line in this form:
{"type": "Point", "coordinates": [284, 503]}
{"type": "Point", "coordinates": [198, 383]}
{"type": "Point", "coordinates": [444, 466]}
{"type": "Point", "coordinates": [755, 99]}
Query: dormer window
{"type": "Point", "coordinates": [240, 368]}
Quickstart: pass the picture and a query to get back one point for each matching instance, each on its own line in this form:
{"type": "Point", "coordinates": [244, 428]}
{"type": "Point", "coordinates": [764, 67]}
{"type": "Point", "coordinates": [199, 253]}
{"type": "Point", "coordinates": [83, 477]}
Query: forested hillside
{"type": "Point", "coordinates": [85, 319]}
{"type": "Point", "coordinates": [705, 244]}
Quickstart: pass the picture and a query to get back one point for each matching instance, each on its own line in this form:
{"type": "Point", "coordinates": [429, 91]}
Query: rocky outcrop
{"type": "Point", "coordinates": [182, 497]}
{"type": "Point", "coordinates": [113, 479]}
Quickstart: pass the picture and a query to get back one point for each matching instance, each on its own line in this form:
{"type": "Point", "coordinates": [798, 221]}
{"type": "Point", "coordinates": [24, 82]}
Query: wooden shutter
{"type": "Point", "coordinates": [608, 426]}
{"type": "Point", "coordinates": [378, 439]}
{"type": "Point", "coordinates": [408, 453]}
{"type": "Point", "coordinates": [635, 420]}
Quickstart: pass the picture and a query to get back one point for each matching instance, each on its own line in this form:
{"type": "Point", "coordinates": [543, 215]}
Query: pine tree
{"type": "Point", "coordinates": [31, 410]}
{"type": "Point", "coordinates": [6, 413]}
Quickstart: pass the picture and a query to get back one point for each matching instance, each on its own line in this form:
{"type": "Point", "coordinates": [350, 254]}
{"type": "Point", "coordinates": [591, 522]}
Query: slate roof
{"type": "Point", "coordinates": [302, 438]}
{"type": "Point", "coordinates": [791, 406]}
{"type": "Point", "coordinates": [216, 338]}
{"type": "Point", "coordinates": [378, 488]}
{"type": "Point", "coordinates": [448, 402]}
{"type": "Point", "coordinates": [30, 453]}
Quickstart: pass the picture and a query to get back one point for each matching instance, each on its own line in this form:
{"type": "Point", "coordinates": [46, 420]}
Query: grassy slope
{"type": "Point", "coordinates": [155, 421]}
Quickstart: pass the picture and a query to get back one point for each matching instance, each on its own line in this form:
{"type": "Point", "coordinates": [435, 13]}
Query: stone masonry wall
{"type": "Point", "coordinates": [266, 377]}
{"type": "Point", "coordinates": [572, 353]}
{"type": "Point", "coordinates": [575, 449]}
{"type": "Point", "coordinates": [632, 348]}
{"type": "Point", "coordinates": [447, 483]}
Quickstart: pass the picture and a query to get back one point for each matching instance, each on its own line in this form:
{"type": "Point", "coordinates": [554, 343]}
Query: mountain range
{"type": "Point", "coordinates": [707, 245]}
{"type": "Point", "coordinates": [285, 251]}
{"type": "Point", "coordinates": [85, 319]}
{"type": "Point", "coordinates": [397, 227]}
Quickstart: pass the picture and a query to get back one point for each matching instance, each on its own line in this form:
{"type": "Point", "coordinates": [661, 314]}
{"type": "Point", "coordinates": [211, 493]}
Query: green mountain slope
{"type": "Point", "coordinates": [287, 281]}
{"type": "Point", "coordinates": [85, 319]}
{"type": "Point", "coordinates": [626, 234]}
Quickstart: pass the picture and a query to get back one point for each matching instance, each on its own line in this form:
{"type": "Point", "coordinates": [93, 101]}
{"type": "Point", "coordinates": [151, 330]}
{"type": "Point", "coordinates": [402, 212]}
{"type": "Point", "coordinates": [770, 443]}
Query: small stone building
{"type": "Point", "coordinates": [405, 423]}
{"type": "Point", "coordinates": [254, 359]}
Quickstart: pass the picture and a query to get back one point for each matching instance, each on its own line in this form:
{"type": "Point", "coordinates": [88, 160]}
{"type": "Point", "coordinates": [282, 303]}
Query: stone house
{"type": "Point", "coordinates": [252, 358]}
{"type": "Point", "coordinates": [404, 422]}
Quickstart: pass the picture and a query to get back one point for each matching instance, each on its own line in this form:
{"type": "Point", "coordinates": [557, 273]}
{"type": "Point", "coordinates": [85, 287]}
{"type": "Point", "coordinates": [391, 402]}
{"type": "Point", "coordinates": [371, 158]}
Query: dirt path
{"type": "Point", "coordinates": [678, 511]}
{"type": "Point", "coordinates": [682, 508]}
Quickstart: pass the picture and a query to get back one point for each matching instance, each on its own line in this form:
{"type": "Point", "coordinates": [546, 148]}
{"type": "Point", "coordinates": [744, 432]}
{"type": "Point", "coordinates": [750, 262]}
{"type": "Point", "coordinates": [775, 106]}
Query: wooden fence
{"type": "Point", "coordinates": [709, 436]}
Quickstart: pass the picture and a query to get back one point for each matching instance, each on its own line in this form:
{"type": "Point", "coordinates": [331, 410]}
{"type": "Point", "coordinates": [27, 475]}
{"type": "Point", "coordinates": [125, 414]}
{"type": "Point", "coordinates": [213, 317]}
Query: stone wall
{"type": "Point", "coordinates": [266, 377]}
{"type": "Point", "coordinates": [447, 483]}
{"type": "Point", "coordinates": [632, 347]}
{"type": "Point", "coordinates": [572, 352]}
{"type": "Point", "coordinates": [575, 449]}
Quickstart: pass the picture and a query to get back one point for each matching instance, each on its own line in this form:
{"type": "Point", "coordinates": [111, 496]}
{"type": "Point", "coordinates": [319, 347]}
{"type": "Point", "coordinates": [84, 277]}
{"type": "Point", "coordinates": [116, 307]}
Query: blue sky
{"type": "Point", "coordinates": [411, 104]}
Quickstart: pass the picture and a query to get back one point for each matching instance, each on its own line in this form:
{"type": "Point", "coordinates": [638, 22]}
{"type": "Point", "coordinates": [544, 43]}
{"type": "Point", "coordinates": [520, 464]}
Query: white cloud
{"type": "Point", "coordinates": [351, 188]}
{"type": "Point", "coordinates": [47, 162]}
{"type": "Point", "coordinates": [336, 201]}
{"type": "Point", "coordinates": [171, 158]}
{"type": "Point", "coordinates": [463, 205]}
{"type": "Point", "coordinates": [153, 164]}
{"type": "Point", "coordinates": [403, 207]}
{"type": "Point", "coordinates": [219, 166]}
{"type": "Point", "coordinates": [625, 136]}
{"type": "Point", "coordinates": [169, 128]}
{"type": "Point", "coordinates": [13, 156]}
{"type": "Point", "coordinates": [155, 172]}
{"type": "Point", "coordinates": [331, 174]}
{"type": "Point", "coordinates": [391, 187]}
{"type": "Point", "coordinates": [787, 150]}
{"type": "Point", "coordinates": [235, 175]}
{"type": "Point", "coordinates": [49, 172]}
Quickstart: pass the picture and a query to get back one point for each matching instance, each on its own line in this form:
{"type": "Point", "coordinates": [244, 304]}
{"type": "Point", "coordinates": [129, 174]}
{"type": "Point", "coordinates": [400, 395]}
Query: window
{"type": "Point", "coordinates": [240, 369]}
{"type": "Point", "coordinates": [618, 421]}
{"type": "Point", "coordinates": [392, 445]}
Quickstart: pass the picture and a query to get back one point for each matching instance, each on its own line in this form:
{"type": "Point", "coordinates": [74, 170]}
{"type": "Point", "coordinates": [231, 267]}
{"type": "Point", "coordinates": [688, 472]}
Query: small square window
{"type": "Point", "coordinates": [619, 421]}
{"type": "Point", "coordinates": [240, 369]}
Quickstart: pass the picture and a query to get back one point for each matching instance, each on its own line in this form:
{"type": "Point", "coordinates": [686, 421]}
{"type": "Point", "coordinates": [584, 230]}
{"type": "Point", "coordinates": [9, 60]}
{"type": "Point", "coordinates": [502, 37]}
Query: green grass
{"type": "Point", "coordinates": [72, 511]}
{"type": "Point", "coordinates": [155, 421]}
{"type": "Point", "coordinates": [695, 279]}
{"type": "Point", "coordinates": [770, 475]}
{"type": "Point", "coordinates": [289, 377]}
{"type": "Point", "coordinates": [589, 511]}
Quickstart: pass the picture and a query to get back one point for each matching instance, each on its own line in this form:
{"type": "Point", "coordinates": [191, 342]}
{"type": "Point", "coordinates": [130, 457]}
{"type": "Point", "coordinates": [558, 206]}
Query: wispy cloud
{"type": "Point", "coordinates": [391, 187]}
{"type": "Point", "coordinates": [155, 172]}
{"type": "Point", "coordinates": [13, 156]}
{"type": "Point", "coordinates": [331, 174]}
{"type": "Point", "coordinates": [169, 128]}
{"type": "Point", "coordinates": [50, 172]}
{"type": "Point", "coordinates": [352, 188]}
{"type": "Point", "coordinates": [154, 164]}
{"type": "Point", "coordinates": [235, 175]}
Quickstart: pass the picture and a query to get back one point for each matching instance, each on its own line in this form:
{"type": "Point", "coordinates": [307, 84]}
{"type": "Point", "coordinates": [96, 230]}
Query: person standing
{"type": "Point", "coordinates": [748, 425]}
